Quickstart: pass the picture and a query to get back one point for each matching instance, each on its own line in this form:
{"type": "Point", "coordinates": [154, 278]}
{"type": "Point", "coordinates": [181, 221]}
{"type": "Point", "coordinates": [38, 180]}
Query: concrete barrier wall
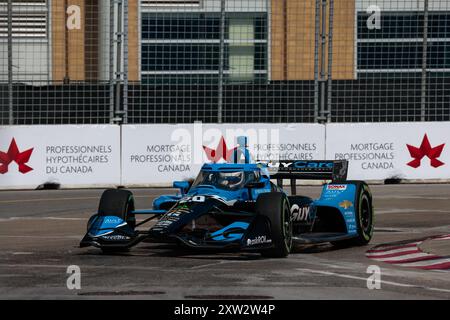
{"type": "Point", "coordinates": [156, 155]}
{"type": "Point", "coordinates": [72, 156]}
{"type": "Point", "coordinates": [379, 151]}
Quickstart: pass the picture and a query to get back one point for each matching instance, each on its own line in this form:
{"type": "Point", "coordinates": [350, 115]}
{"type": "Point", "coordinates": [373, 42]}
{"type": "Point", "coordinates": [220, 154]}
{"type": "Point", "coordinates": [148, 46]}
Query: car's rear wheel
{"type": "Point", "coordinates": [118, 203]}
{"type": "Point", "coordinates": [364, 216]}
{"type": "Point", "coordinates": [275, 206]}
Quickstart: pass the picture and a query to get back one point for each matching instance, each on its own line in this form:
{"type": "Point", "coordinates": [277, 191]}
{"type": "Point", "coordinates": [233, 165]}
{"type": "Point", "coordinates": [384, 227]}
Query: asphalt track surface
{"type": "Point", "coordinates": [40, 232]}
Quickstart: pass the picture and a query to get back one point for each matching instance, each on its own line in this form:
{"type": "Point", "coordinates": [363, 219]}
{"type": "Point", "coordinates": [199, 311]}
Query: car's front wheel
{"type": "Point", "coordinates": [118, 203]}
{"type": "Point", "coordinates": [275, 206]}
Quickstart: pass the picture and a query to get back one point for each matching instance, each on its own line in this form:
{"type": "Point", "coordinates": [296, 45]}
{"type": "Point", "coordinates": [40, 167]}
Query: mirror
{"type": "Point", "coordinates": [182, 185]}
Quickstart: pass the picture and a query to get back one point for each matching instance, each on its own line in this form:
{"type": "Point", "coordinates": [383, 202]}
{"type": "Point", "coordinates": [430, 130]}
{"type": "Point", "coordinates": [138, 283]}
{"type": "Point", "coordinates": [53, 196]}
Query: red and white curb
{"type": "Point", "coordinates": [410, 255]}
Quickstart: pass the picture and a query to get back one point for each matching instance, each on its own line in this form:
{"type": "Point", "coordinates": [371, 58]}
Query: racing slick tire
{"type": "Point", "coordinates": [364, 216]}
{"type": "Point", "coordinates": [118, 203]}
{"type": "Point", "coordinates": [275, 206]}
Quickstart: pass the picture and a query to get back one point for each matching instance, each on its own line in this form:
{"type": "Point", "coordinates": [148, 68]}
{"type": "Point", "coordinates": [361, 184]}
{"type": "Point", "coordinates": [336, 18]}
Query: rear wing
{"type": "Point", "coordinates": [335, 171]}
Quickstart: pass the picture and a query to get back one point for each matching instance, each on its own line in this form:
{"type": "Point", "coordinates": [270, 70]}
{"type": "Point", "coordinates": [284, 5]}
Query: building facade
{"type": "Point", "coordinates": [186, 42]}
{"type": "Point", "coordinates": [247, 60]}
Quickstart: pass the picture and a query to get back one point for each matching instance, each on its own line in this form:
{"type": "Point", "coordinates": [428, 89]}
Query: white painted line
{"type": "Point", "coordinates": [59, 199]}
{"type": "Point", "coordinates": [397, 284]}
{"type": "Point", "coordinates": [41, 218]}
{"type": "Point", "coordinates": [427, 263]}
{"type": "Point", "coordinates": [63, 218]}
{"type": "Point", "coordinates": [385, 211]}
{"type": "Point", "coordinates": [207, 265]}
{"type": "Point", "coordinates": [55, 266]}
{"type": "Point", "coordinates": [42, 237]}
{"type": "Point", "coordinates": [45, 200]}
{"type": "Point", "coordinates": [406, 257]}
{"type": "Point", "coordinates": [393, 247]}
{"type": "Point", "coordinates": [383, 253]}
{"type": "Point", "coordinates": [441, 238]}
{"type": "Point", "coordinates": [412, 197]}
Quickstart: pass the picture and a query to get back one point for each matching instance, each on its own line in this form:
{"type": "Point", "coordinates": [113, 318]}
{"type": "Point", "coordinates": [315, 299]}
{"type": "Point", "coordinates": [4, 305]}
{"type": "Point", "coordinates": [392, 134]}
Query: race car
{"type": "Point", "coordinates": [233, 206]}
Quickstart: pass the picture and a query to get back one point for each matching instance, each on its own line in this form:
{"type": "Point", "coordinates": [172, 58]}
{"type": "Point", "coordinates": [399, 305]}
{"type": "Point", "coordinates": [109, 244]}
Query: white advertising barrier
{"type": "Point", "coordinates": [73, 156]}
{"type": "Point", "coordinates": [156, 155]}
{"type": "Point", "coordinates": [392, 150]}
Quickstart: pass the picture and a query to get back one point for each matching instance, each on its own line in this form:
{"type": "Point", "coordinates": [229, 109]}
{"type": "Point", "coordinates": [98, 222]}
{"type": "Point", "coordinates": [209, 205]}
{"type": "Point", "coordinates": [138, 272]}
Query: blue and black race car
{"type": "Point", "coordinates": [240, 207]}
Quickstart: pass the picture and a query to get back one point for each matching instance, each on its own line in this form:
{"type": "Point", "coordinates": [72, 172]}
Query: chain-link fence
{"type": "Point", "coordinates": [231, 61]}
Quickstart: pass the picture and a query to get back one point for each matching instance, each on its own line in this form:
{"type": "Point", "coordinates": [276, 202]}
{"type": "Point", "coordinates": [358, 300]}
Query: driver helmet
{"type": "Point", "coordinates": [231, 179]}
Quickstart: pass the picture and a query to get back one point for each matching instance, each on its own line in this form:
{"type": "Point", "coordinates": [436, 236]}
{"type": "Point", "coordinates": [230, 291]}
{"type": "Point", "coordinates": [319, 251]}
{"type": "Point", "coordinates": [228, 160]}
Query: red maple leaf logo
{"type": "Point", "coordinates": [425, 149]}
{"type": "Point", "coordinates": [14, 155]}
{"type": "Point", "coordinates": [221, 152]}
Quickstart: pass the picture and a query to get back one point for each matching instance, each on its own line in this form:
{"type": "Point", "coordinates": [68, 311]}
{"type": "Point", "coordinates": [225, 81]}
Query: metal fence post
{"type": "Point", "coordinates": [330, 60]}
{"type": "Point", "coordinates": [10, 65]}
{"type": "Point", "coordinates": [316, 62]}
{"type": "Point", "coordinates": [125, 61]}
{"type": "Point", "coordinates": [111, 61]}
{"type": "Point", "coordinates": [285, 42]}
{"type": "Point", "coordinates": [221, 61]}
{"type": "Point", "coordinates": [118, 77]}
{"type": "Point", "coordinates": [423, 99]}
{"type": "Point", "coordinates": [323, 61]}
{"type": "Point", "coordinates": [66, 79]}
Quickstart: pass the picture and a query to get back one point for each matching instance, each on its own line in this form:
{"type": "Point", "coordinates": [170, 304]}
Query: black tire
{"type": "Point", "coordinates": [364, 216]}
{"type": "Point", "coordinates": [275, 206]}
{"type": "Point", "coordinates": [118, 203]}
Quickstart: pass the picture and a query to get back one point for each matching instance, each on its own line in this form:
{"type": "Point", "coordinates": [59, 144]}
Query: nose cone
{"type": "Point", "coordinates": [227, 195]}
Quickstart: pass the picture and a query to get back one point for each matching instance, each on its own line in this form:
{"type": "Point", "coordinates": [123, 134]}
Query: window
{"type": "Point", "coordinates": [187, 46]}
{"type": "Point", "coordinates": [180, 57]}
{"type": "Point", "coordinates": [171, 3]}
{"type": "Point", "coordinates": [179, 26]}
{"type": "Point", "coordinates": [402, 25]}
{"type": "Point", "coordinates": [398, 45]}
{"type": "Point", "coordinates": [401, 56]}
{"type": "Point", "coordinates": [29, 19]}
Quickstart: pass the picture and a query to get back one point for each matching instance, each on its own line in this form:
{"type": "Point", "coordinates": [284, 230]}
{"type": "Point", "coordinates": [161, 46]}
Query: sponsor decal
{"type": "Point", "coordinates": [313, 165]}
{"type": "Point", "coordinates": [287, 151]}
{"type": "Point", "coordinates": [300, 214]}
{"type": "Point", "coordinates": [258, 240]}
{"type": "Point", "coordinates": [238, 154]}
{"type": "Point", "coordinates": [221, 152]}
{"type": "Point", "coordinates": [113, 220]}
{"type": "Point", "coordinates": [201, 199]}
{"type": "Point", "coordinates": [177, 212]}
{"type": "Point", "coordinates": [117, 237]}
{"type": "Point", "coordinates": [373, 155]}
{"type": "Point", "coordinates": [192, 199]}
{"type": "Point", "coordinates": [300, 165]}
{"type": "Point", "coordinates": [337, 187]}
{"type": "Point", "coordinates": [162, 224]}
{"type": "Point", "coordinates": [165, 157]}
{"type": "Point", "coordinates": [76, 159]}
{"type": "Point", "coordinates": [14, 155]}
{"type": "Point", "coordinates": [346, 204]}
{"type": "Point", "coordinates": [425, 150]}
